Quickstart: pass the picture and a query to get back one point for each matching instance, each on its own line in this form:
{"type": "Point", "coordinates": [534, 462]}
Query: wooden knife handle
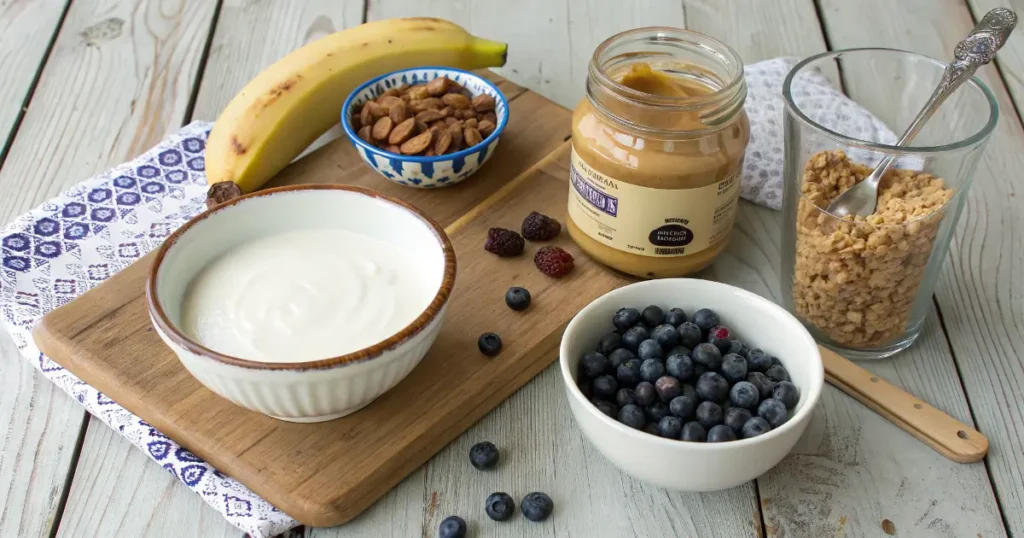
{"type": "Point", "coordinates": [950, 437]}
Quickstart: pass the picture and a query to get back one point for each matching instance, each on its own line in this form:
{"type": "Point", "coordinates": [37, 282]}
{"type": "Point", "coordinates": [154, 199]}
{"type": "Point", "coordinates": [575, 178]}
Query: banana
{"type": "Point", "coordinates": [291, 103]}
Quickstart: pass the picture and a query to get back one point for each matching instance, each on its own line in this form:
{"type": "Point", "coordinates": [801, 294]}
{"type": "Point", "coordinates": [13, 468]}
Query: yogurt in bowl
{"type": "Point", "coordinates": [303, 303]}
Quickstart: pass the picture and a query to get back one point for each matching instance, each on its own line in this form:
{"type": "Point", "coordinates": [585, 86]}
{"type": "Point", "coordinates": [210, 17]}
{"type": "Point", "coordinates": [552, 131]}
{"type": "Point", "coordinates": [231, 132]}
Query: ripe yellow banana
{"type": "Point", "coordinates": [286, 107]}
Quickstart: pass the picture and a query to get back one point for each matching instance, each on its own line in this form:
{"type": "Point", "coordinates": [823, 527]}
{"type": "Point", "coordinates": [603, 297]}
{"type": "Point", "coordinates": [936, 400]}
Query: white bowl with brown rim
{"type": "Point", "coordinates": [283, 388]}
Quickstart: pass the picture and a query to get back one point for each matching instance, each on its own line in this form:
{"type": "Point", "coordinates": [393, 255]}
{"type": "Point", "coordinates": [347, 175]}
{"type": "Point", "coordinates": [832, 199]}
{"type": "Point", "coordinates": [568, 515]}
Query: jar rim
{"type": "Point", "coordinates": [976, 138]}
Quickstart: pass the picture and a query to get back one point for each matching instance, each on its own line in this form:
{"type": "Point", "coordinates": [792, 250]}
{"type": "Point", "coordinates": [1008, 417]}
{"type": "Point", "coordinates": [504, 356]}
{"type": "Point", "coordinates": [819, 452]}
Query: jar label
{"type": "Point", "coordinates": [647, 221]}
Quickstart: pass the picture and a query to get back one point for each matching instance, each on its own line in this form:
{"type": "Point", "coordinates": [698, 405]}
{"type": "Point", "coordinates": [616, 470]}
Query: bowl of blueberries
{"type": "Point", "coordinates": [690, 384]}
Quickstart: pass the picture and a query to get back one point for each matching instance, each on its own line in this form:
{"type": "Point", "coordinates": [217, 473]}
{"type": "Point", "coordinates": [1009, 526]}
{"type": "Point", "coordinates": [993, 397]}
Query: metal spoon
{"type": "Point", "coordinates": [977, 49]}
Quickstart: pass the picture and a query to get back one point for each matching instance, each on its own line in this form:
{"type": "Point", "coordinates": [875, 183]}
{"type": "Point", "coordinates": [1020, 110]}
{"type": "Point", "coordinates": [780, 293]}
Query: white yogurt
{"type": "Point", "coordinates": [304, 295]}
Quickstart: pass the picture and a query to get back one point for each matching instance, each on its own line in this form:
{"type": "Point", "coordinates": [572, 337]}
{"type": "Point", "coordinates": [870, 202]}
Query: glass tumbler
{"type": "Point", "coordinates": [863, 285]}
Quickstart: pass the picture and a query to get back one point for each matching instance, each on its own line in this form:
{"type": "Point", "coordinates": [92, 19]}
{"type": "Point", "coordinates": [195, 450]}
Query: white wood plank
{"type": "Point", "coordinates": [550, 41]}
{"type": "Point", "coordinates": [118, 80]}
{"type": "Point", "coordinates": [852, 469]}
{"type": "Point", "coordinates": [249, 36]}
{"type": "Point", "coordinates": [40, 425]}
{"type": "Point", "coordinates": [26, 29]}
{"type": "Point", "coordinates": [119, 492]}
{"type": "Point", "coordinates": [980, 292]}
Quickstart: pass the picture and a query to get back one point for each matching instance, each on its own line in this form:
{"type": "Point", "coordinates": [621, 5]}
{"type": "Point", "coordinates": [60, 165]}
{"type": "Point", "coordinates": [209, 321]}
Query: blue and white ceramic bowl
{"type": "Point", "coordinates": [415, 170]}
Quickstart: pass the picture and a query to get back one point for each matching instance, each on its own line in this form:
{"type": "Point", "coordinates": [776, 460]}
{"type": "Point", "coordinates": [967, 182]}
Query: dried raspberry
{"type": "Point", "coordinates": [553, 261]}
{"type": "Point", "coordinates": [504, 243]}
{"type": "Point", "coordinates": [221, 192]}
{"type": "Point", "coordinates": [537, 227]}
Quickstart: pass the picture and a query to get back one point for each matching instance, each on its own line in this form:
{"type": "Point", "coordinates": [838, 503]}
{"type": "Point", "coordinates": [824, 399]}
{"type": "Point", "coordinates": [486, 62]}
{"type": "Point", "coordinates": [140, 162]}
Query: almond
{"type": "Point", "coordinates": [483, 103]}
{"type": "Point", "coordinates": [392, 92]}
{"type": "Point", "coordinates": [365, 133]}
{"type": "Point", "coordinates": [471, 122]}
{"type": "Point", "coordinates": [491, 117]}
{"type": "Point", "coordinates": [402, 132]}
{"type": "Point", "coordinates": [450, 120]}
{"type": "Point", "coordinates": [471, 136]}
{"type": "Point", "coordinates": [486, 128]}
{"type": "Point", "coordinates": [456, 130]}
{"type": "Point", "coordinates": [417, 143]}
{"type": "Point", "coordinates": [393, 149]}
{"type": "Point", "coordinates": [437, 126]}
{"type": "Point", "coordinates": [438, 86]}
{"type": "Point", "coordinates": [365, 116]}
{"type": "Point", "coordinates": [465, 113]}
{"type": "Point", "coordinates": [376, 110]}
{"type": "Point", "coordinates": [447, 111]}
{"type": "Point", "coordinates": [389, 101]}
{"type": "Point", "coordinates": [455, 100]}
{"type": "Point", "coordinates": [455, 87]}
{"type": "Point", "coordinates": [418, 92]}
{"type": "Point", "coordinates": [399, 112]}
{"type": "Point", "coordinates": [420, 126]}
{"type": "Point", "coordinates": [428, 116]}
{"type": "Point", "coordinates": [443, 142]}
{"type": "Point", "coordinates": [433, 102]}
{"type": "Point", "coordinates": [382, 128]}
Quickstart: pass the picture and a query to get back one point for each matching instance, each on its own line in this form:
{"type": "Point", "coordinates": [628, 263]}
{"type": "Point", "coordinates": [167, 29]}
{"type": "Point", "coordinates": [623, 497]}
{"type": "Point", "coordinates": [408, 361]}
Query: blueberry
{"type": "Point", "coordinates": [586, 386]}
{"type": "Point", "coordinates": [537, 506]}
{"type": "Point", "coordinates": [737, 347]}
{"type": "Point", "coordinates": [721, 434]}
{"type": "Point", "coordinates": [690, 392]}
{"type": "Point", "coordinates": [609, 343]}
{"type": "Point", "coordinates": [720, 336]}
{"type": "Point", "coordinates": [489, 344]}
{"type": "Point", "coordinates": [668, 388]}
{"type": "Point", "coordinates": [606, 407]}
{"type": "Point", "coordinates": [683, 407]}
{"type": "Point", "coordinates": [593, 364]}
{"type": "Point", "coordinates": [499, 506]}
{"type": "Point", "coordinates": [650, 349]}
{"type": "Point", "coordinates": [670, 427]}
{"type": "Point", "coordinates": [628, 373]}
{"type": "Point", "coordinates": [625, 318]}
{"type": "Point", "coordinates": [645, 393]}
{"type": "Point", "coordinates": [632, 416]}
{"type": "Point", "coordinates": [744, 394]}
{"type": "Point", "coordinates": [694, 432]}
{"type": "Point", "coordinates": [517, 298]}
{"type": "Point", "coordinates": [763, 384]}
{"type": "Point", "coordinates": [786, 393]}
{"type": "Point", "coordinates": [679, 366]}
{"type": "Point", "coordinates": [734, 367]}
{"type": "Point", "coordinates": [776, 361]}
{"type": "Point", "coordinates": [777, 373]}
{"type": "Point", "coordinates": [605, 387]}
{"type": "Point", "coordinates": [656, 411]}
{"type": "Point", "coordinates": [773, 411]}
{"type": "Point", "coordinates": [754, 427]}
{"type": "Point", "coordinates": [711, 386]}
{"type": "Point", "coordinates": [651, 429]}
{"type": "Point", "coordinates": [666, 335]}
{"type": "Point", "coordinates": [651, 370]}
{"type": "Point", "coordinates": [483, 455]}
{"type": "Point", "coordinates": [653, 316]}
{"type": "Point", "coordinates": [736, 417]}
{"type": "Point", "coordinates": [705, 318]}
{"type": "Point", "coordinates": [452, 527]}
{"type": "Point", "coordinates": [625, 397]}
{"type": "Point", "coordinates": [707, 355]}
{"type": "Point", "coordinates": [633, 336]}
{"type": "Point", "coordinates": [689, 335]}
{"type": "Point", "coordinates": [619, 356]}
{"type": "Point", "coordinates": [675, 317]}
{"type": "Point", "coordinates": [709, 414]}
{"type": "Point", "coordinates": [758, 361]}
{"type": "Point", "coordinates": [678, 350]}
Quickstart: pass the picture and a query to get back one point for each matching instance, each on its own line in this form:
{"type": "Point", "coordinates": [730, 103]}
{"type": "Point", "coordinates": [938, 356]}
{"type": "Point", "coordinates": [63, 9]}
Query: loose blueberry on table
{"type": "Point", "coordinates": [489, 344]}
{"type": "Point", "coordinates": [712, 387]}
{"type": "Point", "coordinates": [537, 506]}
{"type": "Point", "coordinates": [483, 455]}
{"type": "Point", "coordinates": [499, 506]}
{"type": "Point", "coordinates": [517, 298]}
{"type": "Point", "coordinates": [452, 527]}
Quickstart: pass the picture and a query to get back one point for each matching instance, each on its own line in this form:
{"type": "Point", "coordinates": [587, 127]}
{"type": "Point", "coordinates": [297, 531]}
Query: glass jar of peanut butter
{"type": "Point", "coordinates": [657, 152]}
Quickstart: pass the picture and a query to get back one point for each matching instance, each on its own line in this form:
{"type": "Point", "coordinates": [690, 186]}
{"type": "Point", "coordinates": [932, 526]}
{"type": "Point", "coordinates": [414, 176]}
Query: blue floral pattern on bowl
{"type": "Point", "coordinates": [418, 171]}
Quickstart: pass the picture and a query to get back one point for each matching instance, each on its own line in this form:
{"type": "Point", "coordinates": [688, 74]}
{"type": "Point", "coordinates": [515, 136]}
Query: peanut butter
{"type": "Point", "coordinates": [658, 148]}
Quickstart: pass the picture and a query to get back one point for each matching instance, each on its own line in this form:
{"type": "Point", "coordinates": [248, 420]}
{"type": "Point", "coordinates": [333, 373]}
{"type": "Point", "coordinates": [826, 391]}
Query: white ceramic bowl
{"type": "Point", "coordinates": [687, 466]}
{"type": "Point", "coordinates": [311, 391]}
{"type": "Point", "coordinates": [418, 171]}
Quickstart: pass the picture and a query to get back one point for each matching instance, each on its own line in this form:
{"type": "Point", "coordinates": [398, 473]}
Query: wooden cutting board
{"type": "Point", "coordinates": [325, 474]}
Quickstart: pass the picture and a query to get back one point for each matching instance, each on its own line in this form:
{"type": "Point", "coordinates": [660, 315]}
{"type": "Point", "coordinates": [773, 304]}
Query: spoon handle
{"type": "Point", "coordinates": [945, 434]}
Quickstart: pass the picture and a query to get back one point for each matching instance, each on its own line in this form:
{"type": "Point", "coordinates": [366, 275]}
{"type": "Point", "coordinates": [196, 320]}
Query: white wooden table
{"type": "Point", "coordinates": [86, 84]}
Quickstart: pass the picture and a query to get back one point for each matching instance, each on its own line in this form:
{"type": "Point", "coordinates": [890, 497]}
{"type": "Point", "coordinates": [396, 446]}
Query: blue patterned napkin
{"type": "Point", "coordinates": [66, 246]}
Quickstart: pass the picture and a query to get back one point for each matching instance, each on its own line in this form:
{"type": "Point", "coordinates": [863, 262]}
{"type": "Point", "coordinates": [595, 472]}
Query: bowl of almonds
{"type": "Point", "coordinates": [425, 127]}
